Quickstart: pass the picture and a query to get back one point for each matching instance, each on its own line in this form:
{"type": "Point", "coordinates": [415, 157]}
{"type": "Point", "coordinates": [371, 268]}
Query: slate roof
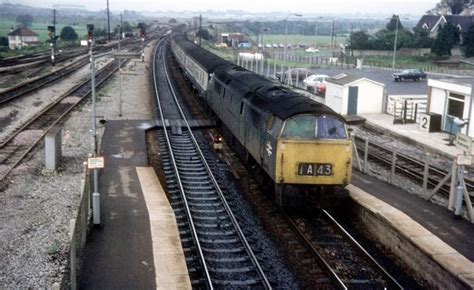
{"type": "Point", "coordinates": [429, 20]}
{"type": "Point", "coordinates": [22, 31]}
{"type": "Point", "coordinates": [463, 21]}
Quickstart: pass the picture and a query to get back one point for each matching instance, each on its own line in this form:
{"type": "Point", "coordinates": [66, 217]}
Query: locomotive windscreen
{"type": "Point", "coordinates": [314, 127]}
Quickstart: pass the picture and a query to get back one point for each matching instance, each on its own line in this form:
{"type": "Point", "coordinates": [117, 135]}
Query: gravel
{"type": "Point", "coordinates": [392, 142]}
{"type": "Point", "coordinates": [36, 207]}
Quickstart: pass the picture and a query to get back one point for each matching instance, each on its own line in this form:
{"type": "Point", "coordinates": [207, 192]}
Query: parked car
{"type": "Point", "coordinates": [316, 84]}
{"type": "Point", "coordinates": [409, 74]}
{"type": "Point", "coordinates": [294, 72]}
{"type": "Point", "coordinates": [311, 49]}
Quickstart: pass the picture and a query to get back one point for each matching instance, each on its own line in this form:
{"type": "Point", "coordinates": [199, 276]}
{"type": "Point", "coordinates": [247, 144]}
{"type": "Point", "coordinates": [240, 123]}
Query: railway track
{"type": "Point", "coordinates": [35, 84]}
{"type": "Point", "coordinates": [349, 264]}
{"type": "Point", "coordinates": [221, 255]}
{"type": "Point", "coordinates": [408, 166]}
{"type": "Point", "coordinates": [45, 57]}
{"type": "Point", "coordinates": [42, 81]}
{"type": "Point", "coordinates": [23, 140]}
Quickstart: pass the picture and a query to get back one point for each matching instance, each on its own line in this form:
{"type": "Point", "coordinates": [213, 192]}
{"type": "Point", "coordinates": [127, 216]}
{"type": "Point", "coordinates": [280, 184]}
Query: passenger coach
{"type": "Point", "coordinates": [301, 145]}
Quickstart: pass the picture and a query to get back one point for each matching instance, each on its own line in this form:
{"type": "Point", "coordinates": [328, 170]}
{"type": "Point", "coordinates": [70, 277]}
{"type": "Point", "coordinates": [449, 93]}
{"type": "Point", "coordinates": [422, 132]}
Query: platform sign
{"type": "Point", "coordinates": [464, 160]}
{"type": "Point", "coordinates": [425, 122]}
{"type": "Point", "coordinates": [95, 162]}
{"type": "Point", "coordinates": [463, 142]}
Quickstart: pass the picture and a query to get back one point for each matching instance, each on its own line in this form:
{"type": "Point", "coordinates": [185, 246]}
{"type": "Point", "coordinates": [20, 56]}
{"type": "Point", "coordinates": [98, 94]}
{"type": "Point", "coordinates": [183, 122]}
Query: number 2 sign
{"type": "Point", "coordinates": [425, 122]}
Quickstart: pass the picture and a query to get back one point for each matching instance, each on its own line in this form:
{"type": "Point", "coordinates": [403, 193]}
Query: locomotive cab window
{"type": "Point", "coordinates": [330, 128]}
{"type": "Point", "coordinates": [314, 127]}
{"type": "Point", "coordinates": [302, 126]}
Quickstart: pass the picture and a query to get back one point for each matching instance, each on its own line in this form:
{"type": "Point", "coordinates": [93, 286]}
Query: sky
{"type": "Point", "coordinates": [301, 6]}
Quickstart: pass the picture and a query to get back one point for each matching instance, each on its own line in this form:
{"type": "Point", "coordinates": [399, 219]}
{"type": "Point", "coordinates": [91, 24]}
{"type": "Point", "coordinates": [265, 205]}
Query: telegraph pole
{"type": "Point", "coordinates": [120, 67]}
{"type": "Point", "coordinates": [200, 27]}
{"type": "Point", "coordinates": [108, 21]}
{"type": "Point", "coordinates": [332, 34]}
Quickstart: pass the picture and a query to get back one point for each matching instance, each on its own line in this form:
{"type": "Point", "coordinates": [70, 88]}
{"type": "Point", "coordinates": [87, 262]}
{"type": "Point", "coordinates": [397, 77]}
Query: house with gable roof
{"type": "Point", "coordinates": [432, 23]}
{"type": "Point", "coordinates": [22, 37]}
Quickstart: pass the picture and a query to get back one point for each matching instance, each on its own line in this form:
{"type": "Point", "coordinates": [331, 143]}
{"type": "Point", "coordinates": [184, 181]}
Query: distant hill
{"type": "Point", "coordinates": [9, 11]}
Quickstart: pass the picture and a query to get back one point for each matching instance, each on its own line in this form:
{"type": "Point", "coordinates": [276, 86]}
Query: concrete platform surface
{"type": "Point", "coordinates": [168, 256]}
{"type": "Point", "coordinates": [426, 253]}
{"type": "Point", "coordinates": [125, 251]}
{"type": "Point", "coordinates": [435, 141]}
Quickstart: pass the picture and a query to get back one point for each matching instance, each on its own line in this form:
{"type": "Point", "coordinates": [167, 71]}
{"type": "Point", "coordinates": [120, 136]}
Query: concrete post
{"type": "Point", "coordinates": [426, 175]}
{"type": "Point", "coordinates": [52, 150]}
{"type": "Point", "coordinates": [454, 181]}
{"type": "Point", "coordinates": [392, 171]}
{"type": "Point", "coordinates": [366, 156]}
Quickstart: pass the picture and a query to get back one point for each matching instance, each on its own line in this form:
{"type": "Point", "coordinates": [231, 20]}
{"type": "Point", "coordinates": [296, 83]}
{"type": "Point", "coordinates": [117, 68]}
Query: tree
{"type": "Point", "coordinates": [68, 34]}
{"type": "Point", "coordinates": [422, 39]}
{"type": "Point", "coordinates": [24, 20]}
{"type": "Point", "coordinates": [204, 33]}
{"type": "Point", "coordinates": [127, 27]}
{"type": "Point", "coordinates": [392, 24]}
{"type": "Point", "coordinates": [447, 37]}
{"type": "Point", "coordinates": [469, 42]}
{"type": "Point", "coordinates": [3, 41]}
{"type": "Point", "coordinates": [359, 40]}
{"type": "Point", "coordinates": [172, 21]}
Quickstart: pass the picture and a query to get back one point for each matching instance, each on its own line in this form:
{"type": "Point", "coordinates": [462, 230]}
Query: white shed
{"type": "Point", "coordinates": [351, 94]}
{"type": "Point", "coordinates": [451, 98]}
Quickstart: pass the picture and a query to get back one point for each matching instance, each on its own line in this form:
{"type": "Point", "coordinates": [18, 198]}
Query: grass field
{"type": "Point", "coordinates": [317, 41]}
{"type": "Point", "coordinates": [40, 28]}
{"type": "Point", "coordinates": [401, 62]}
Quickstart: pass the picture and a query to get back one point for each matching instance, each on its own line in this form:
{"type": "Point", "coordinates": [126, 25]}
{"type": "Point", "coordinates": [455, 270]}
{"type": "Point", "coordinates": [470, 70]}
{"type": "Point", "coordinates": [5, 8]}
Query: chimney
{"type": "Point", "coordinates": [467, 11]}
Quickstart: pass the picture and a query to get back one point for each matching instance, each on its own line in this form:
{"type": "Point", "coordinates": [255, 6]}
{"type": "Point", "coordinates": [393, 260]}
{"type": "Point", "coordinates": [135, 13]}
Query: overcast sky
{"type": "Point", "coordinates": [308, 6]}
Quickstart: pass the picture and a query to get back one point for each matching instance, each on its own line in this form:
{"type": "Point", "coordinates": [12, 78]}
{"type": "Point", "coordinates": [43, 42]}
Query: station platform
{"type": "Point", "coordinates": [432, 228]}
{"type": "Point", "coordinates": [137, 245]}
{"type": "Point", "coordinates": [435, 141]}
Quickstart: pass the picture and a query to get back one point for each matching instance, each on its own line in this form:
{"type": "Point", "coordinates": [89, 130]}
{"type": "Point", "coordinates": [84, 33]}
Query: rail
{"type": "Point", "coordinates": [201, 156]}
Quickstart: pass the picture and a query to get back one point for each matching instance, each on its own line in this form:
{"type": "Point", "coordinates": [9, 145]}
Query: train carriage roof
{"type": "Point", "coordinates": [269, 95]}
{"type": "Point", "coordinates": [262, 92]}
{"type": "Point", "coordinates": [206, 59]}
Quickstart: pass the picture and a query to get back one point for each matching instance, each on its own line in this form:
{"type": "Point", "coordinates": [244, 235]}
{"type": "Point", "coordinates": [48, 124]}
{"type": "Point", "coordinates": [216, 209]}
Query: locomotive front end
{"type": "Point", "coordinates": [313, 150]}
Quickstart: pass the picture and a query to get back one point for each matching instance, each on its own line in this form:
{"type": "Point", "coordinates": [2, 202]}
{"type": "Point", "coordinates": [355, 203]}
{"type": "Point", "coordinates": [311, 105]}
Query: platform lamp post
{"type": "Point", "coordinates": [263, 47]}
{"type": "Point", "coordinates": [286, 32]}
{"type": "Point", "coordinates": [120, 68]}
{"type": "Point", "coordinates": [95, 194]}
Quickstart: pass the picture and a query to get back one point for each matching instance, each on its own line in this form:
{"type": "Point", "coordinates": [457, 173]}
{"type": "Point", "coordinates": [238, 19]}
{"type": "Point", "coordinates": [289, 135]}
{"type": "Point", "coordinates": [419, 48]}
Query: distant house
{"type": "Point", "coordinates": [232, 39]}
{"type": "Point", "coordinates": [22, 37]}
{"type": "Point", "coordinates": [432, 23]}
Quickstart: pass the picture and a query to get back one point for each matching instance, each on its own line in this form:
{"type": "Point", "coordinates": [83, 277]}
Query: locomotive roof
{"type": "Point", "coordinates": [208, 60]}
{"type": "Point", "coordinates": [266, 94]}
